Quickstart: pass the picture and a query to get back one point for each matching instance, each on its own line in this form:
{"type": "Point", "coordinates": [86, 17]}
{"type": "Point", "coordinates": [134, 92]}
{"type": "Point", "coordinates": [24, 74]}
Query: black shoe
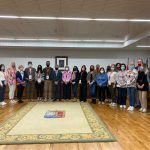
{"type": "Point", "coordinates": [54, 100]}
{"type": "Point", "coordinates": [20, 101]}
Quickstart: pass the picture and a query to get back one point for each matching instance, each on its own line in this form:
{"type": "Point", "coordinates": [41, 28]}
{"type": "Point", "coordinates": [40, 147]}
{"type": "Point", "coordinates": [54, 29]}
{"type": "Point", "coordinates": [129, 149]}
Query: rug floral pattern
{"type": "Point", "coordinates": [100, 133]}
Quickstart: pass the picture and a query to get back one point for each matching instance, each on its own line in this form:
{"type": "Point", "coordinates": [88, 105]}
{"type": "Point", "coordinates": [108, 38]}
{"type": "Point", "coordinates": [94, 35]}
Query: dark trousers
{"type": "Point", "coordinates": [93, 92]}
{"type": "Point", "coordinates": [75, 90]}
{"type": "Point", "coordinates": [30, 89]}
{"type": "Point", "coordinates": [122, 95]}
{"type": "Point", "coordinates": [39, 89]}
{"type": "Point", "coordinates": [101, 93]}
{"type": "Point", "coordinates": [20, 90]}
{"type": "Point", "coordinates": [108, 93]}
{"type": "Point", "coordinates": [112, 90]}
{"type": "Point", "coordinates": [57, 91]}
{"type": "Point", "coordinates": [2, 92]}
{"type": "Point", "coordinates": [83, 92]}
{"type": "Point", "coordinates": [67, 91]}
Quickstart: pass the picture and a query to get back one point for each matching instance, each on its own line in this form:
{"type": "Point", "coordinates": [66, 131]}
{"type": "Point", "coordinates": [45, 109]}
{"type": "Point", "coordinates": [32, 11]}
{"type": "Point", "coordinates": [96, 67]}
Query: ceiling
{"type": "Point", "coordinates": [131, 34]}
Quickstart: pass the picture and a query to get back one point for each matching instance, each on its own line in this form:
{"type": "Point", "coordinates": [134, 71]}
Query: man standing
{"type": "Point", "coordinates": [30, 71]}
{"type": "Point", "coordinates": [48, 77]}
{"type": "Point", "coordinates": [57, 78]}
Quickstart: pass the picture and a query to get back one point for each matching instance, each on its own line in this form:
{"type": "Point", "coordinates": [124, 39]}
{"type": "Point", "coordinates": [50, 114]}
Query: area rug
{"type": "Point", "coordinates": [68, 122]}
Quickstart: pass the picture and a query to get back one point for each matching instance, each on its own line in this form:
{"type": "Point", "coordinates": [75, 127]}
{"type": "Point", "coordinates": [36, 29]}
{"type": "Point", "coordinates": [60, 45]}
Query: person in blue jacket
{"type": "Point", "coordinates": [102, 81]}
{"type": "Point", "coordinates": [21, 78]}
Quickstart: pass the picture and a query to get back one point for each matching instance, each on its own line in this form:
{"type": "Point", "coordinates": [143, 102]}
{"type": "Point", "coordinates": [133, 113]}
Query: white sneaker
{"type": "Point", "coordinates": [132, 108]}
{"type": "Point", "coordinates": [144, 110]}
{"type": "Point", "coordinates": [103, 103]}
{"type": "Point", "coordinates": [114, 104]}
{"type": "Point", "coordinates": [99, 102]}
{"type": "Point", "coordinates": [121, 106]}
{"type": "Point", "coordinates": [141, 109]}
{"type": "Point", "coordinates": [111, 104]}
{"type": "Point", "coordinates": [3, 103]}
{"type": "Point", "coordinates": [129, 108]}
{"type": "Point", "coordinates": [124, 106]}
{"type": "Point", "coordinates": [12, 101]}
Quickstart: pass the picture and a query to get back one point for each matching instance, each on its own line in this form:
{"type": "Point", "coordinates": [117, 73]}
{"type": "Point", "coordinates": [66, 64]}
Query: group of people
{"type": "Point", "coordinates": [118, 82]}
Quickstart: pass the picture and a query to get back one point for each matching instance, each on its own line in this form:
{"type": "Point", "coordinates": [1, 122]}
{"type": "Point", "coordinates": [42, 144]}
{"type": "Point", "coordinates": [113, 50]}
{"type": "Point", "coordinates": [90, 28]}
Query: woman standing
{"type": "Point", "coordinates": [75, 82]}
{"type": "Point", "coordinates": [112, 85]}
{"type": "Point", "coordinates": [131, 85]}
{"type": "Point", "coordinates": [2, 84]}
{"type": "Point", "coordinates": [122, 86]}
{"type": "Point", "coordinates": [102, 81]}
{"type": "Point", "coordinates": [39, 82]}
{"type": "Point", "coordinates": [66, 78]}
{"type": "Point", "coordinates": [83, 84]}
{"type": "Point", "coordinates": [21, 78]}
{"type": "Point", "coordinates": [92, 83]}
{"type": "Point", "coordinates": [11, 80]}
{"type": "Point", "coordinates": [142, 85]}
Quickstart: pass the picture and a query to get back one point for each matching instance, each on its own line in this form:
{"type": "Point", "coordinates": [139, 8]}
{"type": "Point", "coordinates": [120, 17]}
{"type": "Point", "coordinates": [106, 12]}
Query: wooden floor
{"type": "Point", "coordinates": [132, 130]}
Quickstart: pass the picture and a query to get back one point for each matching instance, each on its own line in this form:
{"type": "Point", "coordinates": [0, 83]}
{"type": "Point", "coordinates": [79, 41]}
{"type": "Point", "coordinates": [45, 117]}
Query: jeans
{"type": "Point", "coordinates": [93, 91]}
{"type": "Point", "coordinates": [122, 95]}
{"type": "Point", "coordinates": [132, 95]}
{"type": "Point", "coordinates": [2, 92]}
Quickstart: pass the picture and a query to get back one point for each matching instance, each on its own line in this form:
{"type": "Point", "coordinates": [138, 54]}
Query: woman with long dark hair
{"type": "Point", "coordinates": [83, 84]}
{"type": "Point", "coordinates": [39, 78]}
{"type": "Point", "coordinates": [75, 82]}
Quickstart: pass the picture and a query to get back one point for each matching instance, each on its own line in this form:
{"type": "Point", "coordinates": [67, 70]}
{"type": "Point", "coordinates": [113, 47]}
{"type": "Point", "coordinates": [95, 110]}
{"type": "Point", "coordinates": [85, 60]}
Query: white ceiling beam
{"type": "Point", "coordinates": [136, 39]}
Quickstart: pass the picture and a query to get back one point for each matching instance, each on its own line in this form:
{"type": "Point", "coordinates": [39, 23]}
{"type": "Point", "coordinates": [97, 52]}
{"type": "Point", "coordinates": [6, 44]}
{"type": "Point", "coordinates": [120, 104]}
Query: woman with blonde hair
{"type": "Point", "coordinates": [143, 87]}
{"type": "Point", "coordinates": [11, 80]}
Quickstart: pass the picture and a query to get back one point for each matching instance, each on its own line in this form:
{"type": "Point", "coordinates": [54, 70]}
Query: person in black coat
{"type": "Point", "coordinates": [21, 78]}
{"type": "Point", "coordinates": [57, 78]}
{"type": "Point", "coordinates": [83, 84]}
{"type": "Point", "coordinates": [75, 82]}
{"type": "Point", "coordinates": [143, 87]}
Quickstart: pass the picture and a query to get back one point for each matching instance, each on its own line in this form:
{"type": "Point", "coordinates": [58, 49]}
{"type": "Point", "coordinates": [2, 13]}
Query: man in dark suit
{"type": "Point", "coordinates": [30, 71]}
{"type": "Point", "coordinates": [21, 78]}
{"type": "Point", "coordinates": [57, 78]}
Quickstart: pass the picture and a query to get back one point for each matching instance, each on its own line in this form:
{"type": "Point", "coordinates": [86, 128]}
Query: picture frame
{"type": "Point", "coordinates": [61, 61]}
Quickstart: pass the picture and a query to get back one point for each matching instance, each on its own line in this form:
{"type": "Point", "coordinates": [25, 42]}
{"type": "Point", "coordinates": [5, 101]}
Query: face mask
{"type": "Point", "coordinates": [131, 67]}
{"type": "Point", "coordinates": [30, 65]}
{"type": "Point", "coordinates": [21, 72]}
{"type": "Point", "coordinates": [47, 65]}
{"type": "Point", "coordinates": [112, 68]}
{"type": "Point", "coordinates": [67, 69]}
{"type": "Point", "coordinates": [122, 68]}
{"type": "Point", "coordinates": [56, 68]}
{"type": "Point", "coordinates": [102, 71]}
{"type": "Point", "coordinates": [91, 69]}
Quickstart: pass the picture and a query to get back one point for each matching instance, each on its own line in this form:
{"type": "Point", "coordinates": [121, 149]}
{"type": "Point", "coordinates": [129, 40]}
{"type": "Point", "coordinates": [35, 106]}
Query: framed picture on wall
{"type": "Point", "coordinates": [61, 61]}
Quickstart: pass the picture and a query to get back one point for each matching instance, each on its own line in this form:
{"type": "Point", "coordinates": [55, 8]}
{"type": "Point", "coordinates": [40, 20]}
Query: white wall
{"type": "Point", "coordinates": [76, 56]}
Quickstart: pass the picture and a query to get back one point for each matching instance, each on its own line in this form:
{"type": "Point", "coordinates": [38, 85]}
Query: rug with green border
{"type": "Point", "coordinates": [80, 124]}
